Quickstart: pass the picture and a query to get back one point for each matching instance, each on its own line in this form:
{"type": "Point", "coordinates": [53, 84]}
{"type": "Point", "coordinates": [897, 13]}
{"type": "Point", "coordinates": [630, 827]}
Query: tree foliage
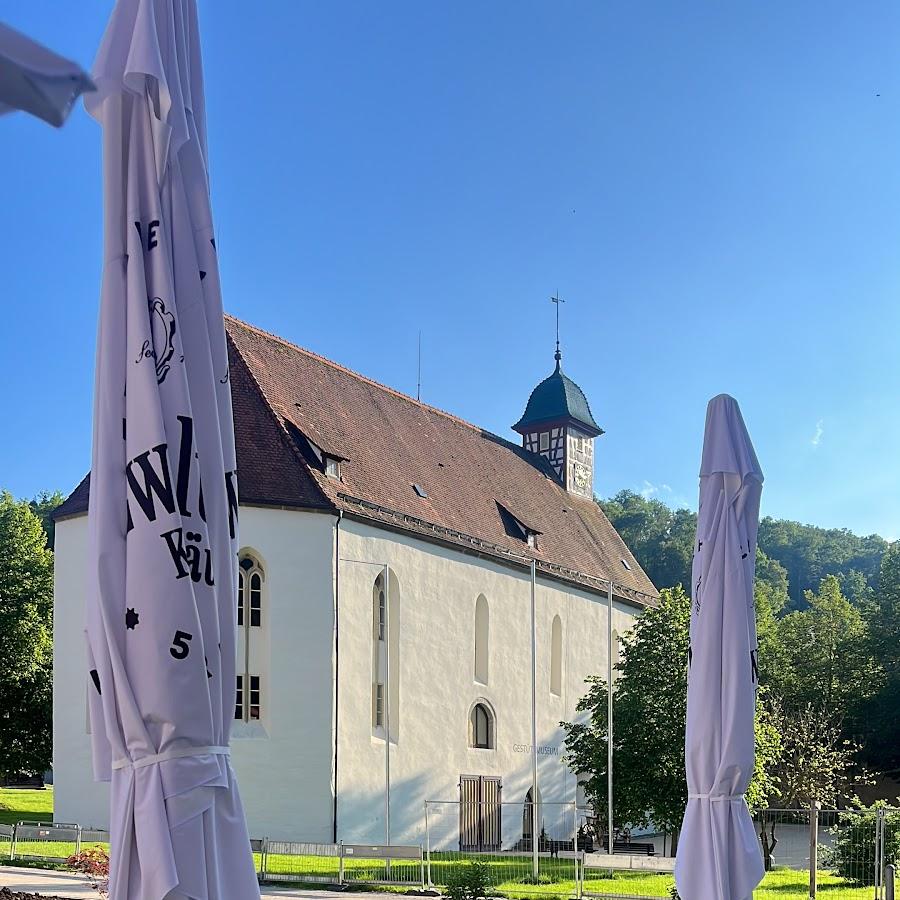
{"type": "Point", "coordinates": [828, 616]}
{"type": "Point", "coordinates": [26, 607]}
{"type": "Point", "coordinates": [880, 715]}
{"type": "Point", "coordinates": [649, 708]}
{"type": "Point", "coordinates": [810, 553]}
{"type": "Point", "coordinates": [43, 506]}
{"type": "Point", "coordinates": [662, 540]}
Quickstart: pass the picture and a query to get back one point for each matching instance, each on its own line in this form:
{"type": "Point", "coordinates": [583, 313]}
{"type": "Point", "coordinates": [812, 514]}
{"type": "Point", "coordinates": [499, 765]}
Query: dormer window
{"type": "Point", "coordinates": [516, 528]}
{"type": "Point", "coordinates": [332, 466]}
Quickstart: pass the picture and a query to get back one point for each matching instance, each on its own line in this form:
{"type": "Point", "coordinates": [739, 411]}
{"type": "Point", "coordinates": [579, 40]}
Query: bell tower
{"type": "Point", "coordinates": [558, 425]}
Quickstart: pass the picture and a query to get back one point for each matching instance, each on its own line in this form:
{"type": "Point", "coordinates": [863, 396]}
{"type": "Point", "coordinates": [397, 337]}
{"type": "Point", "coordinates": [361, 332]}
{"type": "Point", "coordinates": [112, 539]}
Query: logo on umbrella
{"type": "Point", "coordinates": [160, 347]}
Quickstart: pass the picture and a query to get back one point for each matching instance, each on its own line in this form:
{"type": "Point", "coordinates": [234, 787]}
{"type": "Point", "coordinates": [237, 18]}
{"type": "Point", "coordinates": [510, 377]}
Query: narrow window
{"type": "Point", "coordinates": [250, 579]}
{"type": "Point", "coordinates": [481, 727]}
{"type": "Point", "coordinates": [255, 599]}
{"type": "Point", "coordinates": [254, 697]}
{"type": "Point", "coordinates": [382, 614]}
{"type": "Point", "coordinates": [248, 704]}
{"type": "Point", "coordinates": [239, 699]}
{"type": "Point", "coordinates": [482, 639]}
{"type": "Point", "coordinates": [385, 703]}
{"type": "Point", "coordinates": [545, 440]}
{"type": "Point", "coordinates": [556, 657]}
{"type": "Point", "coordinates": [378, 717]}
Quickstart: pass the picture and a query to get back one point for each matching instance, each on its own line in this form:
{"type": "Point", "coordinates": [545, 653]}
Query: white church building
{"type": "Point", "coordinates": [343, 480]}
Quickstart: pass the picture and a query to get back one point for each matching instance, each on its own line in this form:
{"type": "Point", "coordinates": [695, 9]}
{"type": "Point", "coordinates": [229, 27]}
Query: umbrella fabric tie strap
{"type": "Point", "coordinates": [714, 797]}
{"type": "Point", "coordinates": [170, 754]}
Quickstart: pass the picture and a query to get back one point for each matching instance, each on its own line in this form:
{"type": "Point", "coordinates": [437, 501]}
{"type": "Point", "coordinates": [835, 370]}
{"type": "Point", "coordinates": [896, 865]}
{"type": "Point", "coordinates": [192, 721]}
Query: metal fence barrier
{"type": "Point", "coordinates": [339, 863]}
{"type": "Point", "coordinates": [54, 842]}
{"type": "Point", "coordinates": [833, 854]}
{"type": "Point", "coordinates": [499, 835]}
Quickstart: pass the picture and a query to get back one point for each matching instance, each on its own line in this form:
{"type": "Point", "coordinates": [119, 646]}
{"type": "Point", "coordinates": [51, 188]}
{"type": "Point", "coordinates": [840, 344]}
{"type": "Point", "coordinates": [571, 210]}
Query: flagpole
{"type": "Point", "coordinates": [387, 709]}
{"type": "Point", "coordinates": [534, 790]}
{"type": "Point", "coordinates": [609, 716]}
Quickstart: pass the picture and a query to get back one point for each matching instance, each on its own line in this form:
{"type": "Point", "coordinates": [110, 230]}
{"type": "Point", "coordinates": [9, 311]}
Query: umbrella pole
{"type": "Point", "coordinates": [609, 717]}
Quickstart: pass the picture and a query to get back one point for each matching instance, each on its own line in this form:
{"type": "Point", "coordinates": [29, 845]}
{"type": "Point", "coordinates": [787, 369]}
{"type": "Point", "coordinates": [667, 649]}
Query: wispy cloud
{"type": "Point", "coordinates": [648, 490]}
{"type": "Point", "coordinates": [664, 492]}
{"type": "Point", "coordinates": [820, 431]}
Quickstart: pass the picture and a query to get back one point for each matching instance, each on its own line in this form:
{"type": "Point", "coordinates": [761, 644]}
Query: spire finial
{"type": "Point", "coordinates": [557, 300]}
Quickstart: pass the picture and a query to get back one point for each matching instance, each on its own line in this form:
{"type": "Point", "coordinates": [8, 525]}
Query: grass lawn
{"type": "Point", "coordinates": [508, 872]}
{"type": "Point", "coordinates": [25, 805]}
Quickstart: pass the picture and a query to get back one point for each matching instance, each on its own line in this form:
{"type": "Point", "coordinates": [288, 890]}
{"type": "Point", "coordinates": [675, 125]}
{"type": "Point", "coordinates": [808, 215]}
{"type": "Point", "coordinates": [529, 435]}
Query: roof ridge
{"type": "Point", "coordinates": [279, 424]}
{"type": "Point", "coordinates": [364, 378]}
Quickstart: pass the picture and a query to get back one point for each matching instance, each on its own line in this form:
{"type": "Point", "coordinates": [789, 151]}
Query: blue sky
{"type": "Point", "coordinates": [713, 189]}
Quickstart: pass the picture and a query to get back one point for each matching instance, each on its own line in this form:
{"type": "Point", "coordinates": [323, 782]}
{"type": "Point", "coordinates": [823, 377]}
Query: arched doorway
{"type": "Point", "coordinates": [527, 820]}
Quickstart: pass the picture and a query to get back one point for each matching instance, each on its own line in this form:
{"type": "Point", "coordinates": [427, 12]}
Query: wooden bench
{"type": "Point", "coordinates": [634, 848]}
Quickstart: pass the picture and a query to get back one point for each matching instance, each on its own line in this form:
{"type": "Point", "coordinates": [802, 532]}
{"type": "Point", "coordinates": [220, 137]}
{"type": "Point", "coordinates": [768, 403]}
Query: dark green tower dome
{"type": "Point", "coordinates": [557, 399]}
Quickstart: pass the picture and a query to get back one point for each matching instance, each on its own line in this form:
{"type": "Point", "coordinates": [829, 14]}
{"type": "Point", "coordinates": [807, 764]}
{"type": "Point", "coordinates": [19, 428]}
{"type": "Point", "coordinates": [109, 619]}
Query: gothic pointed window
{"type": "Point", "coordinates": [248, 694]}
{"type": "Point", "coordinates": [386, 656]}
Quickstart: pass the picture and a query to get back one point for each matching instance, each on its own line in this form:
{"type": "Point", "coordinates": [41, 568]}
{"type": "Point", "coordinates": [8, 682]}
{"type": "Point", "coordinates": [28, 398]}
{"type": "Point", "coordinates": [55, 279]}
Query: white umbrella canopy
{"type": "Point", "coordinates": [36, 80]}
{"type": "Point", "coordinates": [718, 854]}
{"type": "Point", "coordinates": [163, 502]}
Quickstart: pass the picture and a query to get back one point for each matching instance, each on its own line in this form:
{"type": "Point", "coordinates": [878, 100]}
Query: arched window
{"type": "Point", "coordinates": [556, 644]}
{"type": "Point", "coordinates": [482, 639]}
{"type": "Point", "coordinates": [248, 696]}
{"type": "Point", "coordinates": [386, 654]}
{"type": "Point", "coordinates": [250, 580]}
{"type": "Point", "coordinates": [481, 727]}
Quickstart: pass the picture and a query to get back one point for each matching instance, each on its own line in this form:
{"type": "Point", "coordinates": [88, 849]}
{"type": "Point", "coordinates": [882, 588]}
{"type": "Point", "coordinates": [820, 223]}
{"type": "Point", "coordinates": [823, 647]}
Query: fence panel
{"type": "Point", "coordinates": [376, 864]}
{"type": "Point", "coordinates": [94, 837]}
{"type": "Point", "coordinates": [40, 841]}
{"type": "Point", "coordinates": [299, 861]}
{"type": "Point", "coordinates": [516, 865]}
{"type": "Point", "coordinates": [6, 838]}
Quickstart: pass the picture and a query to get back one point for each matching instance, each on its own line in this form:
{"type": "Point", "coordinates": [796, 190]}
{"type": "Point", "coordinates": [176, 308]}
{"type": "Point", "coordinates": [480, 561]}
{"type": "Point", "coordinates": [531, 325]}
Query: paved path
{"type": "Point", "coordinates": [77, 887]}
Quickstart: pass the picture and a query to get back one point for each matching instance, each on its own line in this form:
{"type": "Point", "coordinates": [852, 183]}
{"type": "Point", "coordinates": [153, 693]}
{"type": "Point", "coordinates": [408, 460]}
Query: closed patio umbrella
{"type": "Point", "coordinates": [718, 854]}
{"type": "Point", "coordinates": [163, 501]}
{"type": "Point", "coordinates": [36, 80]}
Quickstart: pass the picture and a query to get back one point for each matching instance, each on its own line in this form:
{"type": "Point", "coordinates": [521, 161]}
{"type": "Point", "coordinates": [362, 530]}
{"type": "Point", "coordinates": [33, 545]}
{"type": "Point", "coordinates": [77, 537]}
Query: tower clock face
{"type": "Point", "coordinates": [582, 476]}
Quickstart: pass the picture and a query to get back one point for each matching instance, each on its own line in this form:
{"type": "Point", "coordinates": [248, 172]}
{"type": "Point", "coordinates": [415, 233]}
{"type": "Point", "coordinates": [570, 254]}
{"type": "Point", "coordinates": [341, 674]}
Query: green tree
{"type": "Point", "coordinates": [43, 507]}
{"type": "Point", "coordinates": [661, 538]}
{"type": "Point", "coordinates": [881, 714]}
{"type": "Point", "coordinates": [26, 608]}
{"type": "Point", "coordinates": [822, 655]}
{"type": "Point", "coordinates": [649, 707]}
{"type": "Point", "coordinates": [814, 762]}
{"type": "Point", "coordinates": [810, 553]}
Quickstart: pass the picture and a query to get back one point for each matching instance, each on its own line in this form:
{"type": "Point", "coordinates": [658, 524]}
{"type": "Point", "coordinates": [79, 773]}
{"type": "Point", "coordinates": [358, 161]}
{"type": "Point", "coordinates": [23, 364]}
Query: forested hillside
{"type": "Point", "coordinates": [662, 539]}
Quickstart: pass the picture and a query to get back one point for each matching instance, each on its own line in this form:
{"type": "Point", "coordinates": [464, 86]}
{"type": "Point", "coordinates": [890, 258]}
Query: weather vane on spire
{"type": "Point", "coordinates": [557, 300]}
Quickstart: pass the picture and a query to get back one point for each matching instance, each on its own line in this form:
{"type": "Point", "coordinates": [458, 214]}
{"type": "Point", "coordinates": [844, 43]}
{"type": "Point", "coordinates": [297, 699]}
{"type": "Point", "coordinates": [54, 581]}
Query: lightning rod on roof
{"type": "Point", "coordinates": [557, 300]}
{"type": "Point", "coordinates": [419, 370]}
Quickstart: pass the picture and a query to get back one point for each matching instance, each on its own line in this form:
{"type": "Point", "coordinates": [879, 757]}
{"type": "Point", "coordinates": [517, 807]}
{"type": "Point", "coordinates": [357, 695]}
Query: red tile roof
{"type": "Point", "coordinates": [285, 396]}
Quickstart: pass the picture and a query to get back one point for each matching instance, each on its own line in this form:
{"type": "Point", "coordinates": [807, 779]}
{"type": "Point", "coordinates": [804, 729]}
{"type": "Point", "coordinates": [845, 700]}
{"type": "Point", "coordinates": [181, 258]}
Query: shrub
{"type": "Point", "coordinates": [93, 862]}
{"type": "Point", "coordinates": [469, 882]}
{"type": "Point", "coordinates": [852, 854]}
